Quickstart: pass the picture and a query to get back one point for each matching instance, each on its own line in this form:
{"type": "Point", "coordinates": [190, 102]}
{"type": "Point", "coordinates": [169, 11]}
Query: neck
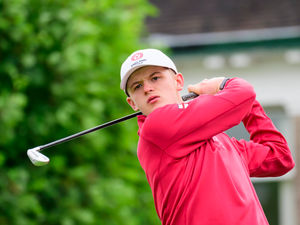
{"type": "Point", "coordinates": [179, 99]}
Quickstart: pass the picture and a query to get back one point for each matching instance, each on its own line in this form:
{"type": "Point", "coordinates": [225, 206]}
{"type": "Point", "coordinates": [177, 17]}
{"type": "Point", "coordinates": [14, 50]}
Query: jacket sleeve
{"type": "Point", "coordinates": [267, 153]}
{"type": "Point", "coordinates": [179, 131]}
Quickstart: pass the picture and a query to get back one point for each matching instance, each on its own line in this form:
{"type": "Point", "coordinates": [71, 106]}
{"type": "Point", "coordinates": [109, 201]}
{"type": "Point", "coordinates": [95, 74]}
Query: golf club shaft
{"type": "Point", "coordinates": [41, 147]}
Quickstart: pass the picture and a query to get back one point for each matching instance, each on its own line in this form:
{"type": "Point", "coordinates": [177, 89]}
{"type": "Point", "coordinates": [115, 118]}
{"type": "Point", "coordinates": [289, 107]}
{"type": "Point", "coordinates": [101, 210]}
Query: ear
{"type": "Point", "coordinates": [179, 81]}
{"type": "Point", "coordinates": [132, 104]}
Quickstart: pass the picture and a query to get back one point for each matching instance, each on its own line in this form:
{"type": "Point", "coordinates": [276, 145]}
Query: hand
{"type": "Point", "coordinates": [207, 86]}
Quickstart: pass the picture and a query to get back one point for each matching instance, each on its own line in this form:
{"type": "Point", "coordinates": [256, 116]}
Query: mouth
{"type": "Point", "coordinates": [152, 99]}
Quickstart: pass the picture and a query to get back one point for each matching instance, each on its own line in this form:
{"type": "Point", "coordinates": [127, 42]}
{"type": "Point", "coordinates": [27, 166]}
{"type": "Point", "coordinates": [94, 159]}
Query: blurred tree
{"type": "Point", "coordinates": [59, 74]}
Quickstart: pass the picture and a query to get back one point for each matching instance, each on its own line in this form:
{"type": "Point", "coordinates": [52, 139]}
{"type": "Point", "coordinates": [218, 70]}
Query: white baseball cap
{"type": "Point", "coordinates": [141, 58]}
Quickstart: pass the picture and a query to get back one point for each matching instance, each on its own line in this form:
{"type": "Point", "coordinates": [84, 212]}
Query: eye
{"type": "Point", "coordinates": [155, 78]}
{"type": "Point", "coordinates": [137, 86]}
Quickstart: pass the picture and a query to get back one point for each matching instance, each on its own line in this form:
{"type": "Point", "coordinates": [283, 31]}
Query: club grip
{"type": "Point", "coordinates": [189, 96]}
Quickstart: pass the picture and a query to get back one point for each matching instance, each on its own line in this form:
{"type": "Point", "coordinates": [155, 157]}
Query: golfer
{"type": "Point", "coordinates": [198, 174]}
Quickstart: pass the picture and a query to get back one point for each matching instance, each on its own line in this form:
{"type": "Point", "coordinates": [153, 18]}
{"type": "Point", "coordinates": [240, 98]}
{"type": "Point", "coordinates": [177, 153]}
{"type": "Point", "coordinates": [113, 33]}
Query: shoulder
{"type": "Point", "coordinates": [164, 122]}
{"type": "Point", "coordinates": [162, 115]}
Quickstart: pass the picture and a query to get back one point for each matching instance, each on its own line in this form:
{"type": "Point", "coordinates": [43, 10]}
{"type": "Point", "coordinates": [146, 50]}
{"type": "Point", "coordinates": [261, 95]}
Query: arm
{"type": "Point", "coordinates": [267, 154]}
{"type": "Point", "coordinates": [172, 128]}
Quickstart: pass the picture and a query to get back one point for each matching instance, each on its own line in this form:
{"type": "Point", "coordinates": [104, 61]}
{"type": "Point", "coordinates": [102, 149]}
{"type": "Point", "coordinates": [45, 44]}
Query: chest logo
{"type": "Point", "coordinates": [183, 105]}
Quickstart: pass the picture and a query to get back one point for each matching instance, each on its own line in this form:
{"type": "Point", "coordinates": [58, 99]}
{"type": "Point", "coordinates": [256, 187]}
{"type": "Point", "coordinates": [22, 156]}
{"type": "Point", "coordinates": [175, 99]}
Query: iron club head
{"type": "Point", "coordinates": [37, 158]}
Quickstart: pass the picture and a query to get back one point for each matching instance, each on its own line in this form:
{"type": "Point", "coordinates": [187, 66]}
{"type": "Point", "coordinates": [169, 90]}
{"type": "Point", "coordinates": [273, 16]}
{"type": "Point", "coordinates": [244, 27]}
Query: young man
{"type": "Point", "coordinates": [199, 175]}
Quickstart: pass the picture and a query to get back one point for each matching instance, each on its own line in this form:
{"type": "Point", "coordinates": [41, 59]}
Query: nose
{"type": "Point", "coordinates": [147, 87]}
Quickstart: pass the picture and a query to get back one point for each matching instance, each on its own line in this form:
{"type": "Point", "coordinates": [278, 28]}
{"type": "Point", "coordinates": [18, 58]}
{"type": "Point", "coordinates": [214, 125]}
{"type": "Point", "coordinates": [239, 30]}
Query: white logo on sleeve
{"type": "Point", "coordinates": [183, 105]}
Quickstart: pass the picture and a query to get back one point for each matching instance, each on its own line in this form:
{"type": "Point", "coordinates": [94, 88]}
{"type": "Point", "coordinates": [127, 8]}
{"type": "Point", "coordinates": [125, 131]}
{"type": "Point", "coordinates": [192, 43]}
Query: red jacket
{"type": "Point", "coordinates": [198, 175]}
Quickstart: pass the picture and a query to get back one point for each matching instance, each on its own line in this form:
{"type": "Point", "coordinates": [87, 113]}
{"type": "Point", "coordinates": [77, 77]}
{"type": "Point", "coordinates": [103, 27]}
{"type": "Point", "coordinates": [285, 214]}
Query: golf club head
{"type": "Point", "coordinates": [37, 158]}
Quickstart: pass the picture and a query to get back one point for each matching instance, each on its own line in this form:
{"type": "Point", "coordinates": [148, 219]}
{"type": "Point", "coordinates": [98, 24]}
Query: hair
{"type": "Point", "coordinates": [171, 70]}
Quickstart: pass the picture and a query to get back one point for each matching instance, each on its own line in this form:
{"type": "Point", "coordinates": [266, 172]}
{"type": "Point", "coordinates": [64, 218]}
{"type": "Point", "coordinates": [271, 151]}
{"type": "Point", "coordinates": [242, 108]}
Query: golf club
{"type": "Point", "coordinates": [38, 159]}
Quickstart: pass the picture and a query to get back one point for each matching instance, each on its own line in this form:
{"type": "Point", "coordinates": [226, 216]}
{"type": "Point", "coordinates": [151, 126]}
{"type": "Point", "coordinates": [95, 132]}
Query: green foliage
{"type": "Point", "coordinates": [59, 74]}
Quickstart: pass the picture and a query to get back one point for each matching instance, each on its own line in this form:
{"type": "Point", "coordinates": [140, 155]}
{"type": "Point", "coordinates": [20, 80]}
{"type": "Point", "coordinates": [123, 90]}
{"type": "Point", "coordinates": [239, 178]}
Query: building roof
{"type": "Point", "coordinates": [181, 17]}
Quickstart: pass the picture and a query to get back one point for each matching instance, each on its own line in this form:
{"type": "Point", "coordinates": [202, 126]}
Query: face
{"type": "Point", "coordinates": [152, 87]}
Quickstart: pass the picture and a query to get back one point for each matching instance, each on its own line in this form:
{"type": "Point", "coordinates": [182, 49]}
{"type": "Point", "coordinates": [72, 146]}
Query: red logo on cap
{"type": "Point", "coordinates": [136, 56]}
